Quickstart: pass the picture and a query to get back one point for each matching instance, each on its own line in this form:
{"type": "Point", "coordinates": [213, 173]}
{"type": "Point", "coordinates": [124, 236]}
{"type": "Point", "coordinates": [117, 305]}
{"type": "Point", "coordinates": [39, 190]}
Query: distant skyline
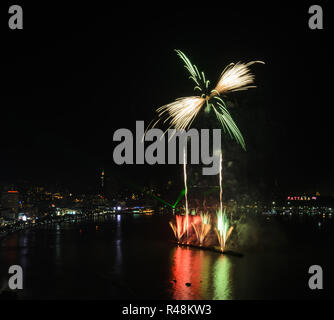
{"type": "Point", "coordinates": [67, 86]}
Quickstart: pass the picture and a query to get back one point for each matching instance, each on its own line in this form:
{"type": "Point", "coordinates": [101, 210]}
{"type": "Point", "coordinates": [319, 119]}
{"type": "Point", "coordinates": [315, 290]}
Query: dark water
{"type": "Point", "coordinates": [133, 257]}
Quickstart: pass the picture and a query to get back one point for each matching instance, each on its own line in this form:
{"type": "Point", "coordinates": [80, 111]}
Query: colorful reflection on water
{"type": "Point", "coordinates": [199, 274]}
{"type": "Point", "coordinates": [222, 278]}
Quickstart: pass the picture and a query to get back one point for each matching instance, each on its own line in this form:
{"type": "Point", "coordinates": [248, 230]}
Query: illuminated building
{"type": "Point", "coordinates": [67, 211]}
{"type": "Point", "coordinates": [10, 204]}
{"type": "Point", "coordinates": [102, 178]}
{"type": "Point", "coordinates": [301, 198]}
{"type": "Point", "coordinates": [101, 188]}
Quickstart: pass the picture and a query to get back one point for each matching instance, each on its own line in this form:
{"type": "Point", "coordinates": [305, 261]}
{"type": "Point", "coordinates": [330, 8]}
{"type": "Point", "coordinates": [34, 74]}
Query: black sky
{"type": "Point", "coordinates": [75, 75]}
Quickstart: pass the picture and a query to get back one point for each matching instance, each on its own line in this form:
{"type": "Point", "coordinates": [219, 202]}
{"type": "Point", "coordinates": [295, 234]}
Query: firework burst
{"type": "Point", "coordinates": [181, 113]}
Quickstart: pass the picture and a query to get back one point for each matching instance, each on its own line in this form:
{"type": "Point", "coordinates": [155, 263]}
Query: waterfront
{"type": "Point", "coordinates": [133, 257]}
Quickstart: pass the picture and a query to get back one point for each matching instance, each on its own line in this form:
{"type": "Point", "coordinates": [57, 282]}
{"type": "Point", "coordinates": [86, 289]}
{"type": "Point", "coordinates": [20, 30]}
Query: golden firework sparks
{"type": "Point", "coordinates": [181, 113]}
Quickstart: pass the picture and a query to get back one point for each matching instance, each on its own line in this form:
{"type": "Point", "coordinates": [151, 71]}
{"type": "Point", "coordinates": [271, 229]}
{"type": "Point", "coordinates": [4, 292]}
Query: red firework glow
{"type": "Point", "coordinates": [181, 226]}
{"type": "Point", "coordinates": [201, 225]}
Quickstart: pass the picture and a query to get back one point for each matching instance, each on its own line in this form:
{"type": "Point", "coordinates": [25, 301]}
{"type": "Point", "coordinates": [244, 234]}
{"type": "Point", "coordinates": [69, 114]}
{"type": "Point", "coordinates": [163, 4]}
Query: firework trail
{"type": "Point", "coordinates": [181, 113]}
{"type": "Point", "coordinates": [185, 187]}
{"type": "Point", "coordinates": [223, 230]}
{"type": "Point", "coordinates": [182, 223]}
{"type": "Point", "coordinates": [221, 182]}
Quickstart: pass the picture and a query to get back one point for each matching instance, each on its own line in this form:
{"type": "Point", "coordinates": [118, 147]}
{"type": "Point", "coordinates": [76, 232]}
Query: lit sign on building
{"type": "Point", "coordinates": [301, 198]}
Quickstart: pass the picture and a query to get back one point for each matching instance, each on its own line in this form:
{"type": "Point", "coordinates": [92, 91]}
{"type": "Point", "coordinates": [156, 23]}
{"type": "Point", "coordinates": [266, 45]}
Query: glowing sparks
{"type": "Point", "coordinates": [181, 113]}
{"type": "Point", "coordinates": [202, 227]}
{"type": "Point", "coordinates": [235, 77]}
{"type": "Point", "coordinates": [180, 227]}
{"type": "Point", "coordinates": [223, 229]}
{"type": "Point", "coordinates": [205, 218]}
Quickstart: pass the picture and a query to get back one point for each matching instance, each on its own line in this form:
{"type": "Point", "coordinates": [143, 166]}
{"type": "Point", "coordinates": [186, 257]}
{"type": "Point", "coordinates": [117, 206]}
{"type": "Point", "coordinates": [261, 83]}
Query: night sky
{"type": "Point", "coordinates": [73, 77]}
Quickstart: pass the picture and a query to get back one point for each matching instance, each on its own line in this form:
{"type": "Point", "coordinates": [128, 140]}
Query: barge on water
{"type": "Point", "coordinates": [212, 248]}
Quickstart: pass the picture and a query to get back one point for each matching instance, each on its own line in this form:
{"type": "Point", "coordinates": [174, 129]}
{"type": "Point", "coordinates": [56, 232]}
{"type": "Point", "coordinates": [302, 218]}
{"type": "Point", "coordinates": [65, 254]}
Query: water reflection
{"type": "Point", "coordinates": [107, 262]}
{"type": "Point", "coordinates": [119, 258]}
{"type": "Point", "coordinates": [181, 274]}
{"type": "Point", "coordinates": [58, 243]}
{"type": "Point", "coordinates": [222, 278]}
{"type": "Point", "coordinates": [12, 244]}
{"type": "Point", "coordinates": [24, 251]}
{"type": "Point", "coordinates": [198, 274]}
